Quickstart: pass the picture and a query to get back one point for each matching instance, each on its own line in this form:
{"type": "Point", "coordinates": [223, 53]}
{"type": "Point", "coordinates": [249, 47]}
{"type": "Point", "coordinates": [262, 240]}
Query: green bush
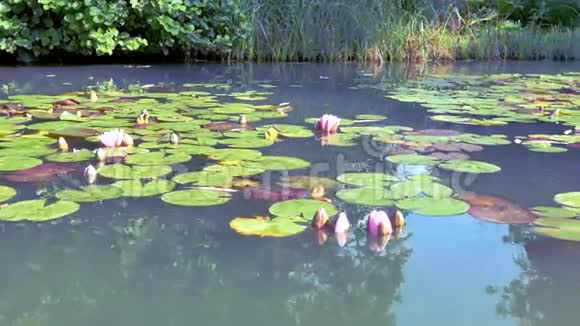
{"type": "Point", "coordinates": [106, 27]}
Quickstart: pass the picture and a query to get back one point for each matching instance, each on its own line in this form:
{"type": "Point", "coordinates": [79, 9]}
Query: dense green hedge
{"type": "Point", "coordinates": [100, 27]}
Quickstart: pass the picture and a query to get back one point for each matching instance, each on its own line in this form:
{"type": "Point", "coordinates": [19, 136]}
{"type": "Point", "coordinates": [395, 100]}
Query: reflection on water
{"type": "Point", "coordinates": [547, 288]}
{"type": "Point", "coordinates": [143, 262]}
{"type": "Point", "coordinates": [144, 271]}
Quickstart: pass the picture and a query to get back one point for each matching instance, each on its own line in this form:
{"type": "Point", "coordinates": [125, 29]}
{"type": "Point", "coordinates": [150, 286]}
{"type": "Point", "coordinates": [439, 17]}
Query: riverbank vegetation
{"type": "Point", "coordinates": [291, 30]}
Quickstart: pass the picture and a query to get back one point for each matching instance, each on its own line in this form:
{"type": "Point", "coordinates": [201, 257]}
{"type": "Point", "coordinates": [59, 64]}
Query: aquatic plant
{"type": "Point", "coordinates": [495, 209]}
{"type": "Point", "coordinates": [502, 98]}
{"type": "Point", "coordinates": [378, 223]}
{"type": "Point", "coordinates": [397, 219]}
{"type": "Point", "coordinates": [320, 218]}
{"type": "Point", "coordinates": [115, 138]}
{"type": "Point", "coordinates": [341, 225]}
{"type": "Point", "coordinates": [328, 124]}
{"type": "Point", "coordinates": [380, 31]}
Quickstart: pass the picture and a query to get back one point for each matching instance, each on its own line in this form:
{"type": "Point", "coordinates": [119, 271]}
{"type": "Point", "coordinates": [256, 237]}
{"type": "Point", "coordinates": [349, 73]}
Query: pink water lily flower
{"type": "Point", "coordinates": [378, 223]}
{"type": "Point", "coordinates": [328, 124]}
{"type": "Point", "coordinates": [342, 225]}
{"type": "Point", "coordinates": [115, 138]}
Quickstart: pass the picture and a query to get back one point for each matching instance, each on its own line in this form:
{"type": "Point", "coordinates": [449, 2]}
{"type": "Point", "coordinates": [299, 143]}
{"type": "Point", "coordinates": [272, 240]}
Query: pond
{"type": "Point", "coordinates": [199, 211]}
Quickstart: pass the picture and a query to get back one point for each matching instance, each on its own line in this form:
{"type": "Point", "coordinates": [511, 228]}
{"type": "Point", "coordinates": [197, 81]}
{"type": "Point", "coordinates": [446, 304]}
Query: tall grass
{"type": "Point", "coordinates": [382, 30]}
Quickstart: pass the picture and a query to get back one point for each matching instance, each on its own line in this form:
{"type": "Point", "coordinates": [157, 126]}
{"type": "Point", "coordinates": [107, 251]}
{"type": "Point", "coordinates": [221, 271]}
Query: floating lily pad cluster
{"type": "Point", "coordinates": [496, 100]}
{"type": "Point", "coordinates": [224, 139]}
{"type": "Point", "coordinates": [168, 129]}
{"type": "Point", "coordinates": [446, 149]}
{"type": "Point", "coordinates": [421, 193]}
{"type": "Point", "coordinates": [560, 222]}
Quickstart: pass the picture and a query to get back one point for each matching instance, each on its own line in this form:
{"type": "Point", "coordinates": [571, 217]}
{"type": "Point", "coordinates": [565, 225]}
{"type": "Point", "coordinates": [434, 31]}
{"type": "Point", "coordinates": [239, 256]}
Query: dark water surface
{"type": "Point", "coordinates": [144, 262]}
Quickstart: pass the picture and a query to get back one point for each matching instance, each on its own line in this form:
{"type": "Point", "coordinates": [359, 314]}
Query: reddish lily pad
{"type": "Point", "coordinates": [495, 209]}
{"type": "Point", "coordinates": [43, 172]}
{"type": "Point", "coordinates": [67, 102]}
{"type": "Point", "coordinates": [223, 126]}
{"type": "Point", "coordinates": [276, 194]}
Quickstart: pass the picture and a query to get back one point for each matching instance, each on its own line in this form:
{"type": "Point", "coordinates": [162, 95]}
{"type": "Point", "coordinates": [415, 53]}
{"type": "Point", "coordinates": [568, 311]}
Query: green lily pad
{"type": "Point", "coordinates": [484, 140]}
{"type": "Point", "coordinates": [6, 193]}
{"type": "Point", "coordinates": [412, 159]}
{"type": "Point", "coordinates": [547, 211]}
{"type": "Point", "coordinates": [189, 149]}
{"type": "Point", "coordinates": [231, 154]}
{"type": "Point", "coordinates": [51, 125]}
{"type": "Point", "coordinates": [43, 115]}
{"type": "Point", "coordinates": [29, 141]}
{"type": "Point", "coordinates": [15, 163]}
{"type": "Point", "coordinates": [366, 196]}
{"type": "Point", "coordinates": [365, 179]}
{"type": "Point", "coordinates": [154, 144]}
{"type": "Point", "coordinates": [196, 197]}
{"type": "Point", "coordinates": [90, 193]}
{"type": "Point", "coordinates": [301, 207]}
{"type": "Point", "coordinates": [422, 178]}
{"type": "Point", "coordinates": [308, 182]}
{"type": "Point", "coordinates": [273, 163]}
{"type": "Point", "coordinates": [437, 190]}
{"type": "Point", "coordinates": [75, 132]}
{"type": "Point", "coordinates": [67, 116]}
{"type": "Point", "coordinates": [26, 151]}
{"type": "Point", "coordinates": [244, 134]}
{"type": "Point", "coordinates": [37, 210]}
{"type": "Point", "coordinates": [122, 151]}
{"type": "Point", "coordinates": [547, 149]}
{"type": "Point", "coordinates": [470, 166]}
{"type": "Point", "coordinates": [233, 108]}
{"type": "Point", "coordinates": [559, 228]}
{"type": "Point", "coordinates": [376, 117]}
{"type": "Point", "coordinates": [571, 199]}
{"type": "Point", "coordinates": [78, 156]}
{"type": "Point", "coordinates": [414, 188]}
{"type": "Point", "coordinates": [246, 142]}
{"type": "Point", "coordinates": [343, 140]}
{"type": "Point", "coordinates": [200, 141]}
{"type": "Point", "coordinates": [136, 188]}
{"type": "Point", "coordinates": [157, 158]}
{"type": "Point", "coordinates": [120, 171]}
{"type": "Point", "coordinates": [204, 178]}
{"type": "Point", "coordinates": [278, 227]}
{"type": "Point", "coordinates": [234, 170]}
{"type": "Point", "coordinates": [405, 189]}
{"type": "Point", "coordinates": [290, 131]}
{"type": "Point", "coordinates": [434, 206]}
{"type": "Point", "coordinates": [175, 126]}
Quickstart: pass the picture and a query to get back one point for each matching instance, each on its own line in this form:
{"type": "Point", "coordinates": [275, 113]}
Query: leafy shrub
{"type": "Point", "coordinates": [106, 27]}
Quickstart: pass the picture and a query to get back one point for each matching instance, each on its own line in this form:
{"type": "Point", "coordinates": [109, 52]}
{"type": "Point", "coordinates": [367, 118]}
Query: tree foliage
{"type": "Point", "coordinates": [106, 27]}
